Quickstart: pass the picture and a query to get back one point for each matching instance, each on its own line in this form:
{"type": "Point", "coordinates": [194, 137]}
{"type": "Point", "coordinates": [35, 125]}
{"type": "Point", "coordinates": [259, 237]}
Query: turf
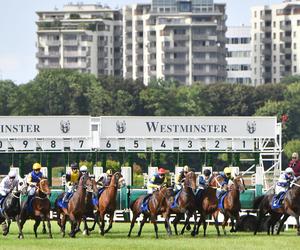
{"type": "Point", "coordinates": [117, 239]}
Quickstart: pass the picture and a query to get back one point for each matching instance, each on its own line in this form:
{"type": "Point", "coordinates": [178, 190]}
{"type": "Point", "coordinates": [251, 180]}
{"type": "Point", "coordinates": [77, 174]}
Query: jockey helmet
{"type": "Point", "coordinates": [295, 155]}
{"type": "Point", "coordinates": [109, 172]}
{"type": "Point", "coordinates": [74, 165]}
{"type": "Point", "coordinates": [186, 168]}
{"type": "Point", "coordinates": [207, 172]}
{"type": "Point", "coordinates": [12, 173]}
{"type": "Point", "coordinates": [83, 168]}
{"type": "Point", "coordinates": [161, 171]}
{"type": "Point", "coordinates": [227, 171]}
{"type": "Point", "coordinates": [289, 171]}
{"type": "Point", "coordinates": [36, 166]}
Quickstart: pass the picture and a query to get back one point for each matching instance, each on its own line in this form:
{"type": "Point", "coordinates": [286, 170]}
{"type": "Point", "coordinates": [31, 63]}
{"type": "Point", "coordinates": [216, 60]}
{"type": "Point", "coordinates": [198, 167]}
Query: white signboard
{"type": "Point", "coordinates": [188, 127]}
{"type": "Point", "coordinates": [217, 144]}
{"type": "Point", "coordinates": [190, 144]}
{"type": "Point", "coordinates": [109, 144]}
{"type": "Point", "coordinates": [80, 144]}
{"type": "Point", "coordinates": [136, 144]}
{"type": "Point", "coordinates": [243, 144]}
{"type": "Point", "coordinates": [162, 144]}
{"type": "Point", "coordinates": [44, 126]}
{"type": "Point", "coordinates": [24, 144]}
{"type": "Point", "coordinates": [53, 144]}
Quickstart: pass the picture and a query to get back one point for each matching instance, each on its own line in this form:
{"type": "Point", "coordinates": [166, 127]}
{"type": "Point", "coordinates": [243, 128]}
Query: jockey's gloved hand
{"type": "Point", "coordinates": [32, 185]}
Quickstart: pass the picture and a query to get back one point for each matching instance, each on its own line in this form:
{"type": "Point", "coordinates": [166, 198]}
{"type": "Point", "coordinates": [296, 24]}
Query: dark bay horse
{"type": "Point", "coordinates": [157, 204]}
{"type": "Point", "coordinates": [291, 207]}
{"type": "Point", "coordinates": [12, 208]}
{"type": "Point", "coordinates": [76, 207]}
{"type": "Point", "coordinates": [232, 204]}
{"type": "Point", "coordinates": [108, 203]}
{"type": "Point", "coordinates": [40, 207]}
{"type": "Point", "coordinates": [186, 204]}
{"type": "Point", "coordinates": [207, 204]}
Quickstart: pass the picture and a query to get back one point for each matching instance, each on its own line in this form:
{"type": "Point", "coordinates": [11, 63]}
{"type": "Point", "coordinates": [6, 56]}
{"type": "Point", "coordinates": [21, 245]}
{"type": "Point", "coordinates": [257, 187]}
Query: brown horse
{"type": "Point", "coordinates": [207, 204]}
{"type": "Point", "coordinates": [76, 207]}
{"type": "Point", "coordinates": [232, 204]}
{"type": "Point", "coordinates": [291, 207]}
{"type": "Point", "coordinates": [157, 204]}
{"type": "Point", "coordinates": [108, 203]}
{"type": "Point", "coordinates": [41, 207]}
{"type": "Point", "coordinates": [186, 204]}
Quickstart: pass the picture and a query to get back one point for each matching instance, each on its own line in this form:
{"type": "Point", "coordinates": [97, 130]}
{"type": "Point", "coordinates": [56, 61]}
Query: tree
{"type": "Point", "coordinates": [8, 92]}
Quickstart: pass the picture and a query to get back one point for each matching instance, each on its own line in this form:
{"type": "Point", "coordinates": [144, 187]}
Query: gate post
{"type": "Point", "coordinates": [49, 168]}
{"type": "Point", "coordinates": [21, 165]}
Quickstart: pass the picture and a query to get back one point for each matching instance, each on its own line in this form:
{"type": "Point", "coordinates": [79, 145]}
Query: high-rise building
{"type": "Point", "coordinates": [182, 40]}
{"type": "Point", "coordinates": [87, 38]}
{"type": "Point", "coordinates": [239, 54]}
{"type": "Point", "coordinates": [275, 36]}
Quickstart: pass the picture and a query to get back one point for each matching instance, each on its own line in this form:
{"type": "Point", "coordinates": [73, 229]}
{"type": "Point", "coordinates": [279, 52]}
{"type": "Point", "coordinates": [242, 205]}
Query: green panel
{"type": "Point", "coordinates": [247, 198]}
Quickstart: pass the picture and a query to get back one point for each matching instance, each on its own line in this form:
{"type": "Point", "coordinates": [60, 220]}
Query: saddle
{"type": "Point", "coordinates": [221, 200]}
{"type": "Point", "coordinates": [277, 201]}
{"type": "Point", "coordinates": [144, 205]}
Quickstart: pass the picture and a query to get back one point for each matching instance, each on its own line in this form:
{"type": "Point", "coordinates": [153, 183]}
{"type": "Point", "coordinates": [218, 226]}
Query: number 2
{"type": "Point", "coordinates": [217, 144]}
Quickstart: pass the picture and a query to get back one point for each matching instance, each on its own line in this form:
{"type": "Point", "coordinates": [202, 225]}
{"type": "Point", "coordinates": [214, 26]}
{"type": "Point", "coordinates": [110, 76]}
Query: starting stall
{"type": "Point", "coordinates": [44, 135]}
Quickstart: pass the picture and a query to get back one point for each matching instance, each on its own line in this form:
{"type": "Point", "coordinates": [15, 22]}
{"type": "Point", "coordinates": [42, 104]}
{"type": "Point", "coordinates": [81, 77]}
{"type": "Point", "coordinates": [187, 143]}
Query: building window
{"type": "Point", "coordinates": [274, 46]}
{"type": "Point", "coordinates": [274, 58]}
{"type": "Point", "coordinates": [274, 24]}
{"type": "Point", "coordinates": [295, 46]}
{"type": "Point", "coordinates": [295, 57]}
{"type": "Point", "coordinates": [274, 35]}
{"type": "Point", "coordinates": [295, 69]}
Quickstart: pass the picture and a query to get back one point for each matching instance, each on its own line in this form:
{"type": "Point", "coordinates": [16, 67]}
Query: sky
{"type": "Point", "coordinates": [18, 30]}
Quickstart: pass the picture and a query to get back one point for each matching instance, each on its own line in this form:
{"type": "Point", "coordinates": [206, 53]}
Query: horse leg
{"type": "Point", "coordinates": [6, 227]}
{"type": "Point", "coordinates": [175, 222]}
{"type": "Point", "coordinates": [101, 218]}
{"type": "Point", "coordinates": [36, 224]}
{"type": "Point", "coordinates": [20, 236]}
{"type": "Point", "coordinates": [199, 224]}
{"type": "Point", "coordinates": [153, 220]}
{"type": "Point", "coordinates": [86, 228]}
{"type": "Point", "coordinates": [142, 224]}
{"type": "Point", "coordinates": [226, 217]}
{"type": "Point", "coordinates": [232, 230]}
{"type": "Point", "coordinates": [49, 226]}
{"type": "Point", "coordinates": [111, 219]}
{"type": "Point", "coordinates": [44, 231]}
{"type": "Point", "coordinates": [298, 225]}
{"type": "Point", "coordinates": [259, 219]}
{"type": "Point", "coordinates": [168, 227]}
{"type": "Point", "coordinates": [188, 216]}
{"type": "Point", "coordinates": [73, 225]}
{"type": "Point", "coordinates": [281, 223]}
{"type": "Point", "coordinates": [135, 215]}
{"type": "Point", "coordinates": [216, 222]}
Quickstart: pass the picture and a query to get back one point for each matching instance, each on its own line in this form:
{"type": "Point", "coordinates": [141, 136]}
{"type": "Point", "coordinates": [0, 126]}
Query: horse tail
{"type": "Point", "coordinates": [257, 201]}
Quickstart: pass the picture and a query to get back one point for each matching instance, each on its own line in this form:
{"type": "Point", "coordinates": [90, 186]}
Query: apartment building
{"type": "Point", "coordinates": [87, 38]}
{"type": "Point", "coordinates": [175, 39]}
{"type": "Point", "coordinates": [239, 54]}
{"type": "Point", "coordinates": [275, 36]}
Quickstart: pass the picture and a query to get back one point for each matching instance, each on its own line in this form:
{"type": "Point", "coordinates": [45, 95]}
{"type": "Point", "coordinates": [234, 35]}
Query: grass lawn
{"type": "Point", "coordinates": [117, 239]}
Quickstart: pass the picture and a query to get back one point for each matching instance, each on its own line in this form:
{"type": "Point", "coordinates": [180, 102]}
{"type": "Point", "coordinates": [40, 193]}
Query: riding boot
{"type": "Point", "coordinates": [65, 199]}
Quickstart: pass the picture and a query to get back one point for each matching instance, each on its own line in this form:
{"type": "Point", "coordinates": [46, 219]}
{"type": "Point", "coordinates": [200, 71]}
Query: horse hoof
{"type": "Point", "coordinates": [84, 232]}
{"type": "Point", "coordinates": [20, 237]}
{"type": "Point", "coordinates": [44, 231]}
{"type": "Point", "coordinates": [50, 237]}
{"type": "Point", "coordinates": [193, 234]}
{"type": "Point", "coordinates": [188, 227]}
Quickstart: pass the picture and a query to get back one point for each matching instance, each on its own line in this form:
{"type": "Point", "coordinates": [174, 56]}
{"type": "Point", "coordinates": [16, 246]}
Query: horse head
{"type": "Point", "coordinates": [190, 181]}
{"type": "Point", "coordinates": [43, 186]}
{"type": "Point", "coordinates": [239, 184]}
{"type": "Point", "coordinates": [116, 179]}
{"type": "Point", "coordinates": [21, 187]}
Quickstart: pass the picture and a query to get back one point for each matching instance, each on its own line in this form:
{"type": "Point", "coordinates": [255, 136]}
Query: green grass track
{"type": "Point", "coordinates": [117, 239]}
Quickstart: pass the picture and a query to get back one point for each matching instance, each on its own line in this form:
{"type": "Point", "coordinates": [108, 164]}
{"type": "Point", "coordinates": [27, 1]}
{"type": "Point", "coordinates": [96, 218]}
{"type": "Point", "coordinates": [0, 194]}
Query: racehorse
{"type": "Point", "coordinates": [291, 207]}
{"type": "Point", "coordinates": [40, 207]}
{"type": "Point", "coordinates": [232, 204]}
{"type": "Point", "coordinates": [156, 204]}
{"type": "Point", "coordinates": [107, 203]}
{"type": "Point", "coordinates": [207, 204]}
{"type": "Point", "coordinates": [11, 208]}
{"type": "Point", "coordinates": [185, 204]}
{"type": "Point", "coordinates": [76, 207]}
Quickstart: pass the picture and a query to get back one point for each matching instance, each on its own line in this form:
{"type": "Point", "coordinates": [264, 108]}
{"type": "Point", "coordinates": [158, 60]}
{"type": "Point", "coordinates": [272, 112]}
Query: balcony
{"type": "Point", "coordinates": [267, 75]}
{"type": "Point", "coordinates": [267, 17]}
{"type": "Point", "coordinates": [267, 40]}
{"type": "Point", "coordinates": [139, 51]}
{"type": "Point", "coordinates": [206, 49]}
{"type": "Point", "coordinates": [267, 52]}
{"type": "Point", "coordinates": [181, 37]}
{"type": "Point", "coordinates": [285, 50]}
{"type": "Point", "coordinates": [266, 63]}
{"type": "Point", "coordinates": [128, 52]}
{"type": "Point", "coordinates": [176, 49]}
{"type": "Point", "coordinates": [175, 72]}
{"type": "Point", "coordinates": [52, 42]}
{"type": "Point", "coordinates": [128, 29]}
{"type": "Point", "coordinates": [140, 62]}
{"type": "Point", "coordinates": [152, 38]}
{"type": "Point", "coordinates": [204, 37]}
{"type": "Point", "coordinates": [71, 42]}
{"type": "Point", "coordinates": [81, 65]}
{"type": "Point", "coordinates": [266, 28]}
{"type": "Point", "coordinates": [50, 54]}
{"type": "Point", "coordinates": [103, 54]}
{"type": "Point", "coordinates": [102, 43]}
{"type": "Point", "coordinates": [139, 27]}
{"type": "Point", "coordinates": [152, 49]}
{"type": "Point", "coordinates": [286, 62]}
{"type": "Point", "coordinates": [202, 72]}
{"type": "Point", "coordinates": [286, 27]}
{"type": "Point", "coordinates": [286, 39]}
{"type": "Point", "coordinates": [175, 60]}
{"type": "Point", "coordinates": [48, 66]}
{"type": "Point", "coordinates": [206, 61]}
{"type": "Point", "coordinates": [140, 39]}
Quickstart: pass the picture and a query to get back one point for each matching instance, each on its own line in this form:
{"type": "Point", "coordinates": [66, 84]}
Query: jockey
{"type": "Point", "coordinates": [72, 178]}
{"type": "Point", "coordinates": [157, 180]}
{"type": "Point", "coordinates": [83, 170]}
{"type": "Point", "coordinates": [33, 178]}
{"type": "Point", "coordinates": [223, 186]}
{"type": "Point", "coordinates": [204, 179]}
{"type": "Point", "coordinates": [181, 177]}
{"type": "Point", "coordinates": [8, 183]}
{"type": "Point", "coordinates": [284, 181]}
{"type": "Point", "coordinates": [105, 178]}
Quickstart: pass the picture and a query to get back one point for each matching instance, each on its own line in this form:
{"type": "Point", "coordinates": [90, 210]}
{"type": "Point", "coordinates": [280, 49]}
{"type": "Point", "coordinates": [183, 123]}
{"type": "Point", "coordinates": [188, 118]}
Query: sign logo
{"type": "Point", "coordinates": [251, 127]}
{"type": "Point", "coordinates": [65, 126]}
{"type": "Point", "coordinates": [121, 127]}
